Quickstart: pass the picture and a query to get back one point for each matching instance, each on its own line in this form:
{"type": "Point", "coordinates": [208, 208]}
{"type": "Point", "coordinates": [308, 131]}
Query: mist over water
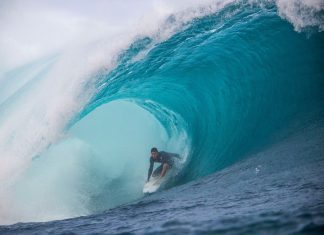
{"type": "Point", "coordinates": [84, 96]}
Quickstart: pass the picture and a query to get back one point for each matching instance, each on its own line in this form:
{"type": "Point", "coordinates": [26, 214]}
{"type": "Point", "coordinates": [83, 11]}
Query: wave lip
{"type": "Point", "coordinates": [303, 14]}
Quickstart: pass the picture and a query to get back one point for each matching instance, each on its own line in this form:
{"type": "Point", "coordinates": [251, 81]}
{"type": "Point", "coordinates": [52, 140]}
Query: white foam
{"type": "Point", "coordinates": [47, 27]}
{"type": "Point", "coordinates": [302, 14]}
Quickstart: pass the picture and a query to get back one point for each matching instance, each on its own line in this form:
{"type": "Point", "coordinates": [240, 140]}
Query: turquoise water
{"type": "Point", "coordinates": [235, 82]}
{"type": "Point", "coordinates": [237, 92]}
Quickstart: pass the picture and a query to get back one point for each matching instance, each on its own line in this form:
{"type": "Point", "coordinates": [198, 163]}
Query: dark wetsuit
{"type": "Point", "coordinates": [163, 157]}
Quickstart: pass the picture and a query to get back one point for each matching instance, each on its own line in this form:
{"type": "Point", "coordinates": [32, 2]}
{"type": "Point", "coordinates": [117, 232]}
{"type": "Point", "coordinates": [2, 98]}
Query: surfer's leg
{"type": "Point", "coordinates": [157, 171]}
{"type": "Point", "coordinates": [165, 169]}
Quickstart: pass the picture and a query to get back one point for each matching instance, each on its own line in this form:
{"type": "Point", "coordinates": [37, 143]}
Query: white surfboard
{"type": "Point", "coordinates": [153, 185]}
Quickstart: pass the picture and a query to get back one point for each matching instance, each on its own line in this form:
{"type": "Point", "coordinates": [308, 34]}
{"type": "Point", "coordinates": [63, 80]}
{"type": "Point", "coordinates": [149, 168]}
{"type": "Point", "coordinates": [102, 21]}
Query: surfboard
{"type": "Point", "coordinates": [152, 186]}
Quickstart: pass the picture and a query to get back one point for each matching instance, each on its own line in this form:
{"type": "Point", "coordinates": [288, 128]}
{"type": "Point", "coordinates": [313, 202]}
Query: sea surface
{"type": "Point", "coordinates": [234, 87]}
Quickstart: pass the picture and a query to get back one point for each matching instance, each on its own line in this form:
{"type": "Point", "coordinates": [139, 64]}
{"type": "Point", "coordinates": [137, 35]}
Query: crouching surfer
{"type": "Point", "coordinates": [166, 160]}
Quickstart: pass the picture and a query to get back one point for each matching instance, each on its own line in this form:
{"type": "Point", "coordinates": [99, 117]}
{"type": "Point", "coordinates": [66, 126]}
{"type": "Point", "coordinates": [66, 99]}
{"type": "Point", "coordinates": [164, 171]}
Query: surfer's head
{"type": "Point", "coordinates": [154, 152]}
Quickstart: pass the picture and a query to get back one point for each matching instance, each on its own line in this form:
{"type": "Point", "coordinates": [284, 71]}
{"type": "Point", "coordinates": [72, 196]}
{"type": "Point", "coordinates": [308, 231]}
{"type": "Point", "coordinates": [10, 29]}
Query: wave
{"type": "Point", "coordinates": [219, 75]}
{"type": "Point", "coordinates": [215, 83]}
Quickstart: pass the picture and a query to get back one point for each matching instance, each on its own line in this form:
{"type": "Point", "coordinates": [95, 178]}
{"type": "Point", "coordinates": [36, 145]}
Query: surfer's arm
{"type": "Point", "coordinates": [150, 169]}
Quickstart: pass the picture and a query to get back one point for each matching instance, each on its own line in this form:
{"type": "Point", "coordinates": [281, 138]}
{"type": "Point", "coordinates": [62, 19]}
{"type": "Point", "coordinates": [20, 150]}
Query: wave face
{"type": "Point", "coordinates": [236, 78]}
{"type": "Point", "coordinates": [225, 85]}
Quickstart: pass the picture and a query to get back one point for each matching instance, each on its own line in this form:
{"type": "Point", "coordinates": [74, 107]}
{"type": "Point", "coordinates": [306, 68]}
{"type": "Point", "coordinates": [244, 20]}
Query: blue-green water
{"type": "Point", "coordinates": [237, 92]}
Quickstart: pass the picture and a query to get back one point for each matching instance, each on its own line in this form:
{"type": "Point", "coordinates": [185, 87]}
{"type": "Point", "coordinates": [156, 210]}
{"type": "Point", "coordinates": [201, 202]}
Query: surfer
{"type": "Point", "coordinates": [166, 160]}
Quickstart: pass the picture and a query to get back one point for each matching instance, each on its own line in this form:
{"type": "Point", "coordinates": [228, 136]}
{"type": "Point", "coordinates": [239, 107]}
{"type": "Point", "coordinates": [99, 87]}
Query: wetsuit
{"type": "Point", "coordinates": [163, 157]}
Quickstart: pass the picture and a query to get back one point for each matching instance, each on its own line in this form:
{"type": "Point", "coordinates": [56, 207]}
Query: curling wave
{"type": "Point", "coordinates": [223, 84]}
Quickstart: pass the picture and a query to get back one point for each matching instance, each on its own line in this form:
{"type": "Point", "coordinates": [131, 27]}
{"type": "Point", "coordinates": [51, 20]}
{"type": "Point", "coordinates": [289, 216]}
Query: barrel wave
{"type": "Point", "coordinates": [225, 85]}
{"type": "Point", "coordinates": [236, 78]}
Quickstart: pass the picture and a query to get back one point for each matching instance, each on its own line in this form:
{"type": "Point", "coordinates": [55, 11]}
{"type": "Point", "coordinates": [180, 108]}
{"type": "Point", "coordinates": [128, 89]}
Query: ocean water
{"type": "Point", "coordinates": [234, 87]}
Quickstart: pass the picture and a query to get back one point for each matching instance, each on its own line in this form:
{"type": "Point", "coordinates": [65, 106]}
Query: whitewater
{"type": "Point", "coordinates": [234, 87]}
